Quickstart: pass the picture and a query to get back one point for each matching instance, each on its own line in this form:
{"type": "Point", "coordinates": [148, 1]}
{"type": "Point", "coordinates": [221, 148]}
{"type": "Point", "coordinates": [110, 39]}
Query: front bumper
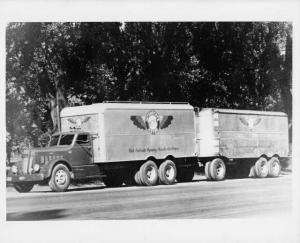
{"type": "Point", "coordinates": [25, 177]}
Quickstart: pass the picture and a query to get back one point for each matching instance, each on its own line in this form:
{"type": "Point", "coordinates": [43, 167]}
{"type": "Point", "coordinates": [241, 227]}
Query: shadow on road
{"type": "Point", "coordinates": [93, 187]}
{"type": "Point", "coordinates": [38, 215]}
{"type": "Point", "coordinates": [86, 188]}
{"type": "Point", "coordinates": [81, 188]}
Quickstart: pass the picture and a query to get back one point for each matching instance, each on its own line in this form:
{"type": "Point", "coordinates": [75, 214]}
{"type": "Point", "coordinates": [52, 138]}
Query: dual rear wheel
{"type": "Point", "coordinates": [215, 170]}
{"type": "Point", "coordinates": [263, 168]}
{"type": "Point", "coordinates": [149, 174]}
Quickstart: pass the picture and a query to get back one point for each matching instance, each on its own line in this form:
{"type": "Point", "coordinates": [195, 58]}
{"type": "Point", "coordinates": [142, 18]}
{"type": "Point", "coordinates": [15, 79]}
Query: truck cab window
{"type": "Point", "coordinates": [82, 139]}
{"type": "Point", "coordinates": [66, 139]}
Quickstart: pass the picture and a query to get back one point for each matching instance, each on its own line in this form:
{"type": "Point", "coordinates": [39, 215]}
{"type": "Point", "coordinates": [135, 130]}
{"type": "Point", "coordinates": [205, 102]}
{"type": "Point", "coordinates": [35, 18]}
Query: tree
{"type": "Point", "coordinates": [245, 65]}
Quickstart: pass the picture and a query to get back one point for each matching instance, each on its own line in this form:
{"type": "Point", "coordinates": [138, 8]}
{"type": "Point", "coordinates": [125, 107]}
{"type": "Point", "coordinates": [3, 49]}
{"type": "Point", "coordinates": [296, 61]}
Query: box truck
{"type": "Point", "coordinates": [147, 143]}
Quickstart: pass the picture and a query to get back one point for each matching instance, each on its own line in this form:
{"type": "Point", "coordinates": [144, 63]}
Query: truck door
{"type": "Point", "coordinates": [82, 153]}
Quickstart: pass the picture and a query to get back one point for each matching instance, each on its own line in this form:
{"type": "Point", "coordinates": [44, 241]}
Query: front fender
{"type": "Point", "coordinates": [48, 167]}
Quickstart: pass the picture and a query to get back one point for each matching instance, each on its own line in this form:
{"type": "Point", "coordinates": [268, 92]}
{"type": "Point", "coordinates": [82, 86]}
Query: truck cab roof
{"type": "Point", "coordinates": [70, 132]}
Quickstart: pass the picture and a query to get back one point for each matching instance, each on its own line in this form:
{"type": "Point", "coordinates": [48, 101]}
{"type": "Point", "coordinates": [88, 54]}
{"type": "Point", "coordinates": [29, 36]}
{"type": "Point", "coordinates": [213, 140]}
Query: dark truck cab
{"type": "Point", "coordinates": [68, 156]}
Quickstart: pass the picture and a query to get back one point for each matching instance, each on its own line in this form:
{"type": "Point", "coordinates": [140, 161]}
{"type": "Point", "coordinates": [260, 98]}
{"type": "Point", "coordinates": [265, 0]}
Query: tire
{"type": "Point", "coordinates": [185, 175]}
{"type": "Point", "coordinates": [60, 178]}
{"type": "Point", "coordinates": [137, 178]}
{"type": "Point", "coordinates": [274, 167]}
{"type": "Point", "coordinates": [23, 186]}
{"type": "Point", "coordinates": [206, 170]}
{"type": "Point", "coordinates": [217, 169]}
{"type": "Point", "coordinates": [167, 172]}
{"type": "Point", "coordinates": [149, 173]}
{"type": "Point", "coordinates": [261, 168]}
{"type": "Point", "coordinates": [252, 172]}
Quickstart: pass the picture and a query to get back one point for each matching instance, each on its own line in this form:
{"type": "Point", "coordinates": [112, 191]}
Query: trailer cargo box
{"type": "Point", "coordinates": [134, 132]}
{"type": "Point", "coordinates": [241, 133]}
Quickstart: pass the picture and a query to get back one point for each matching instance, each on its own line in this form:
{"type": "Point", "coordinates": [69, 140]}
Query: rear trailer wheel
{"type": "Point", "coordinates": [149, 173]}
{"type": "Point", "coordinates": [60, 178]}
{"type": "Point", "coordinates": [167, 172]}
{"type": "Point", "coordinates": [261, 168]}
{"type": "Point", "coordinates": [206, 170]}
{"type": "Point", "coordinates": [217, 169]}
{"type": "Point", "coordinates": [23, 186]}
{"type": "Point", "coordinates": [274, 167]}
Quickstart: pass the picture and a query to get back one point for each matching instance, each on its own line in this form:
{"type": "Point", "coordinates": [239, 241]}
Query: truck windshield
{"type": "Point", "coordinates": [65, 139]}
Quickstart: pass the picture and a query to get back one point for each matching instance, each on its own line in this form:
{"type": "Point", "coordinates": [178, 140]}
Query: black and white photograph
{"type": "Point", "coordinates": [128, 122]}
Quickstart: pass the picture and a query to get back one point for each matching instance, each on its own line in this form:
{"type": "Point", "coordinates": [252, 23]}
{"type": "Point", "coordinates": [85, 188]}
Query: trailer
{"type": "Point", "coordinates": [145, 143]}
{"type": "Point", "coordinates": [242, 141]}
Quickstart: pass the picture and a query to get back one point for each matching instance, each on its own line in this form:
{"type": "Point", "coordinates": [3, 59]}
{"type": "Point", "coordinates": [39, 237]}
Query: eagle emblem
{"type": "Point", "coordinates": [250, 122]}
{"type": "Point", "coordinates": [78, 122]}
{"type": "Point", "coordinates": [152, 121]}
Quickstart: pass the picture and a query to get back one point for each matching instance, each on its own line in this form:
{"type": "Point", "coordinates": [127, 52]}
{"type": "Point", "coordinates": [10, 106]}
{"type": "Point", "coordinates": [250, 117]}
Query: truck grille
{"type": "Point", "coordinates": [25, 164]}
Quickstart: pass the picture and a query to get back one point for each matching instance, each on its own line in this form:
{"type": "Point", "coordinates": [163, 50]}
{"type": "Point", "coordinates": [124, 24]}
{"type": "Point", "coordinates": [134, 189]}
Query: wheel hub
{"type": "Point", "coordinates": [220, 170]}
{"type": "Point", "coordinates": [151, 173]}
{"type": "Point", "coordinates": [264, 168]}
{"type": "Point", "coordinates": [170, 172]}
{"type": "Point", "coordinates": [60, 177]}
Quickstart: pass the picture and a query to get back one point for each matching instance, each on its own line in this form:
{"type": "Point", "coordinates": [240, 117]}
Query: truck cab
{"type": "Point", "coordinates": [71, 152]}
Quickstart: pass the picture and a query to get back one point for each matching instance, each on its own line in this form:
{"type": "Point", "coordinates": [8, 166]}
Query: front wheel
{"type": "Point", "coordinates": [60, 178]}
{"type": "Point", "coordinates": [23, 186]}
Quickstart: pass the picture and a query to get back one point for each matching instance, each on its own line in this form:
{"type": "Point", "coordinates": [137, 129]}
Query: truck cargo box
{"type": "Point", "coordinates": [241, 133]}
{"type": "Point", "coordinates": [134, 131]}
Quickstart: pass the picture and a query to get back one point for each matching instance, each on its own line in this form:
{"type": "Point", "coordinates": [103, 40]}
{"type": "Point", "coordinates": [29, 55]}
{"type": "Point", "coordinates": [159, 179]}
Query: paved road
{"type": "Point", "coordinates": [236, 198]}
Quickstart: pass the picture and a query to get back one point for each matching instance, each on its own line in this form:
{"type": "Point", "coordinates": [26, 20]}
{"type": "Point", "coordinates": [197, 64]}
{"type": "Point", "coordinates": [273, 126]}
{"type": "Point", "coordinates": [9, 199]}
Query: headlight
{"type": "Point", "coordinates": [36, 167]}
{"type": "Point", "coordinates": [14, 169]}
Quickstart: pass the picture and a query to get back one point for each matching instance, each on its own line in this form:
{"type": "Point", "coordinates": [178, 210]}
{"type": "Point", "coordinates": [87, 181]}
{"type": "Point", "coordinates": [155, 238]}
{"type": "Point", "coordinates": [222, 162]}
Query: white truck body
{"type": "Point", "coordinates": [241, 133]}
{"type": "Point", "coordinates": [134, 131]}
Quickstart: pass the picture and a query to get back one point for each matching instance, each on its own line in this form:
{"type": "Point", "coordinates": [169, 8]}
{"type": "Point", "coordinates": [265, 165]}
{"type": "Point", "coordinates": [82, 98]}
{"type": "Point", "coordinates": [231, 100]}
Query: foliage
{"type": "Point", "coordinates": [244, 65]}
